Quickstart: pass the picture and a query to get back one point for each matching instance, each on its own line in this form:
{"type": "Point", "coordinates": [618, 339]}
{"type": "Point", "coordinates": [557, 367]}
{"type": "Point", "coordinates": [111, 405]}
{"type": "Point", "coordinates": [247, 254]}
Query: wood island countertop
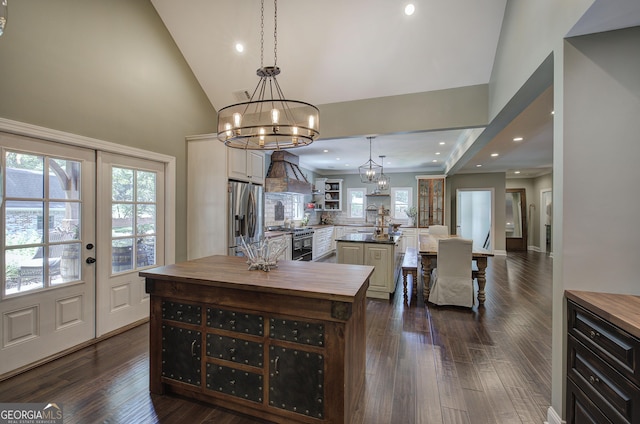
{"type": "Point", "coordinates": [337, 282]}
{"type": "Point", "coordinates": [622, 310]}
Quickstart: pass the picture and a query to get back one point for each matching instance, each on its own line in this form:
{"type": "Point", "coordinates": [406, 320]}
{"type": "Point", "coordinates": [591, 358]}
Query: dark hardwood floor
{"type": "Point", "coordinates": [430, 364]}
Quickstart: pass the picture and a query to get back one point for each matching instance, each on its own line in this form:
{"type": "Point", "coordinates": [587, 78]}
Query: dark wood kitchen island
{"type": "Point", "coordinates": [286, 345]}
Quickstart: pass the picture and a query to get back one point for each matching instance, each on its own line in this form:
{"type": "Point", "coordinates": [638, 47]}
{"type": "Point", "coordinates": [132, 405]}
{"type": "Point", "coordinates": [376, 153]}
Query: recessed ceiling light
{"type": "Point", "coordinates": [493, 155]}
{"type": "Point", "coordinates": [516, 172]}
{"type": "Point", "coordinates": [337, 158]}
{"type": "Point", "coordinates": [435, 160]}
{"type": "Point", "coordinates": [437, 153]}
{"type": "Point", "coordinates": [442, 143]}
{"type": "Point", "coordinates": [239, 47]}
{"type": "Point", "coordinates": [553, 112]}
{"type": "Point", "coordinates": [325, 151]}
{"type": "Point", "coordinates": [478, 166]}
{"type": "Point", "coordinates": [409, 9]}
{"type": "Point", "coordinates": [518, 139]}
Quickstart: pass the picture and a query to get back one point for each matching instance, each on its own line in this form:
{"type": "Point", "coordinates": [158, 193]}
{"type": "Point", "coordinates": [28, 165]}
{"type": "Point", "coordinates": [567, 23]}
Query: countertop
{"type": "Point", "coordinates": [369, 238]}
{"type": "Point", "coordinates": [622, 310]}
{"type": "Point", "coordinates": [319, 280]}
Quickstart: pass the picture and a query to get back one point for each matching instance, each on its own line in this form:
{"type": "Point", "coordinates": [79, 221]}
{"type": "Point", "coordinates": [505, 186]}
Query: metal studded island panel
{"type": "Point", "coordinates": [286, 345]}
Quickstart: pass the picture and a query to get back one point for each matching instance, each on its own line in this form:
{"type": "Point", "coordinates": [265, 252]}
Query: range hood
{"type": "Point", "coordinates": [284, 175]}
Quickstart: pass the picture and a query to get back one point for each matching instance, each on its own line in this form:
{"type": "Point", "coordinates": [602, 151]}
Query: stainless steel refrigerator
{"type": "Point", "coordinates": [246, 215]}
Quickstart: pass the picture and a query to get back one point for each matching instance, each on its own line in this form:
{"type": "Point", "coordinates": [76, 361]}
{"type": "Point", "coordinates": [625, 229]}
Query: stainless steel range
{"type": "Point", "coordinates": [302, 242]}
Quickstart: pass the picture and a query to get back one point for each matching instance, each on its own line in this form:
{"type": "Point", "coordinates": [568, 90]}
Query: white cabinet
{"type": "Point", "coordinates": [286, 255]}
{"type": "Point", "coordinates": [322, 238]}
{"type": "Point", "coordinates": [333, 195]}
{"type": "Point", "coordinates": [383, 256]}
{"type": "Point", "coordinates": [207, 194]}
{"type": "Point", "coordinates": [409, 238]}
{"type": "Point", "coordinates": [245, 165]}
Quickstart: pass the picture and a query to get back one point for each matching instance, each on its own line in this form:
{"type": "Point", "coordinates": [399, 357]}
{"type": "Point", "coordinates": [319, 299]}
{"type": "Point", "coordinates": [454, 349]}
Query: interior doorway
{"type": "Point", "coordinates": [516, 219]}
{"type": "Point", "coordinates": [474, 216]}
{"type": "Point", "coordinates": [546, 217]}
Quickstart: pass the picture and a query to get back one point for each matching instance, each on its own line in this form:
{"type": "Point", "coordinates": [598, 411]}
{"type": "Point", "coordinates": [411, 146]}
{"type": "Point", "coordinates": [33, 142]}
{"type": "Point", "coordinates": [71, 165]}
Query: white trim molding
{"type": "Point", "coordinates": [553, 417]}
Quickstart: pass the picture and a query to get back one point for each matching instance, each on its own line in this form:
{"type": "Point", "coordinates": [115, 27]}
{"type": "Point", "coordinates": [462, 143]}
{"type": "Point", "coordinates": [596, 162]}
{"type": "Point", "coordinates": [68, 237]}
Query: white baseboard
{"type": "Point", "coordinates": [553, 417]}
{"type": "Point", "coordinates": [534, 248]}
{"type": "Point", "coordinates": [500, 253]}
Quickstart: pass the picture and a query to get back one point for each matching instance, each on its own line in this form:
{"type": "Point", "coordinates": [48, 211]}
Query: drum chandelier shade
{"type": "Point", "coordinates": [384, 180]}
{"type": "Point", "coordinates": [268, 121]}
{"type": "Point", "coordinates": [370, 171]}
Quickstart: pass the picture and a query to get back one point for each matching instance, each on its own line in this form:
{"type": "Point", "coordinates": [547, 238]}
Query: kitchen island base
{"type": "Point", "coordinates": [286, 346]}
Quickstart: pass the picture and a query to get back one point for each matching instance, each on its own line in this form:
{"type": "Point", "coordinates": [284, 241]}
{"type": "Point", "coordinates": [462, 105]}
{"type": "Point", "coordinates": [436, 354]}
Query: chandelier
{"type": "Point", "coordinates": [268, 121]}
{"type": "Point", "coordinates": [370, 171]}
{"type": "Point", "coordinates": [383, 180]}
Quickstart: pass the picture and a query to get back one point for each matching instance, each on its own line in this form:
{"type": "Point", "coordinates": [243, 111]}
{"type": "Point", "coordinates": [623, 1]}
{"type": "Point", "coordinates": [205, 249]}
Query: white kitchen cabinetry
{"type": "Point", "coordinates": [207, 194]}
{"type": "Point", "coordinates": [322, 238]}
{"type": "Point", "coordinates": [333, 195]}
{"type": "Point", "coordinates": [383, 256]}
{"type": "Point", "coordinates": [409, 238]}
{"type": "Point", "coordinates": [246, 165]}
{"type": "Point", "coordinates": [286, 255]}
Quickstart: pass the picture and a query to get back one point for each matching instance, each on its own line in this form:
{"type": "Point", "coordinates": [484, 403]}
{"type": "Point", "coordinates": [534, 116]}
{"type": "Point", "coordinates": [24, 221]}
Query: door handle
{"type": "Point", "coordinates": [91, 260]}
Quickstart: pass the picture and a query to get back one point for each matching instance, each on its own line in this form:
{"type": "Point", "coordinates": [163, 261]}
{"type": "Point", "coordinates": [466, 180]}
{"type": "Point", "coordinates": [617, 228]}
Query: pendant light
{"type": "Point", "coordinates": [268, 121]}
{"type": "Point", "coordinates": [383, 180]}
{"type": "Point", "coordinates": [369, 171]}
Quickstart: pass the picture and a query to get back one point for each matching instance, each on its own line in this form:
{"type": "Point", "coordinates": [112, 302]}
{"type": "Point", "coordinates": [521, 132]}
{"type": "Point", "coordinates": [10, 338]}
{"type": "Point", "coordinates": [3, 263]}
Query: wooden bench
{"type": "Point", "coordinates": [410, 267]}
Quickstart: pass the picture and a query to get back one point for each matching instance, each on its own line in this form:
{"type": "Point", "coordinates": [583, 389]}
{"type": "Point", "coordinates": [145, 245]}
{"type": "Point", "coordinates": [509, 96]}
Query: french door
{"type": "Point", "coordinates": [130, 213]}
{"type": "Point", "coordinates": [78, 224]}
{"type": "Point", "coordinates": [48, 215]}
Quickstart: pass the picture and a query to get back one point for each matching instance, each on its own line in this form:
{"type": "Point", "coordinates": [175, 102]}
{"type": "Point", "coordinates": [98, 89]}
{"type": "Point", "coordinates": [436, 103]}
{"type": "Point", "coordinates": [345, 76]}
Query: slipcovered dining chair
{"type": "Point", "coordinates": [438, 230]}
{"type": "Point", "coordinates": [451, 280]}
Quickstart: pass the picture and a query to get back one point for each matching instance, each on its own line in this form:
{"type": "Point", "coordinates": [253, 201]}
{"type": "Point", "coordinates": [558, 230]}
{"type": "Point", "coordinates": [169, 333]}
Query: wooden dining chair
{"type": "Point", "coordinates": [451, 280]}
{"type": "Point", "coordinates": [438, 230]}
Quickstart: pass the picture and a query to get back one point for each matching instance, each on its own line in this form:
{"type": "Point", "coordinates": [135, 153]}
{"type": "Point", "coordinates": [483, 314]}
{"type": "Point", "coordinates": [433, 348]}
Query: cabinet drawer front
{"type": "Point", "coordinates": [181, 351]}
{"type": "Point", "coordinates": [580, 410]}
{"type": "Point", "coordinates": [235, 350]}
{"type": "Point", "coordinates": [238, 383]}
{"type": "Point", "coordinates": [240, 322]}
{"type": "Point", "coordinates": [297, 331]}
{"type": "Point", "coordinates": [296, 381]}
{"type": "Point", "coordinates": [181, 312]}
{"type": "Point", "coordinates": [615, 395]}
{"type": "Point", "coordinates": [616, 346]}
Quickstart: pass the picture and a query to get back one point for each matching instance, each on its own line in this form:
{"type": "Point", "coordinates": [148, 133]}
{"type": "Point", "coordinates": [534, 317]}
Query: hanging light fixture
{"type": "Point", "coordinates": [383, 180]}
{"type": "Point", "coordinates": [369, 171]}
{"type": "Point", "coordinates": [4, 15]}
{"type": "Point", "coordinates": [268, 121]}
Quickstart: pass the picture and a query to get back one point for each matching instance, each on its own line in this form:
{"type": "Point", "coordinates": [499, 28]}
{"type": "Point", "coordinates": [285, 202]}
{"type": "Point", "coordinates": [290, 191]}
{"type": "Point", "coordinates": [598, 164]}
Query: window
{"type": "Point", "coordinates": [401, 200]}
{"type": "Point", "coordinates": [133, 219]}
{"type": "Point", "coordinates": [42, 221]}
{"type": "Point", "coordinates": [355, 199]}
{"type": "Point", "coordinates": [297, 206]}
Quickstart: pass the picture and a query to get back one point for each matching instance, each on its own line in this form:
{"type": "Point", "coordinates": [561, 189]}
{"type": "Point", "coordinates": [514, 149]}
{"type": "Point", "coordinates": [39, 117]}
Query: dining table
{"type": "Point", "coordinates": [428, 251]}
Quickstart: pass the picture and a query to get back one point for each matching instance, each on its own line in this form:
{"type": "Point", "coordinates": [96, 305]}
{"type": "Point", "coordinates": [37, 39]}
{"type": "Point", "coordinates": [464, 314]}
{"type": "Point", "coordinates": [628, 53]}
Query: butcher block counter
{"type": "Point", "coordinates": [287, 345]}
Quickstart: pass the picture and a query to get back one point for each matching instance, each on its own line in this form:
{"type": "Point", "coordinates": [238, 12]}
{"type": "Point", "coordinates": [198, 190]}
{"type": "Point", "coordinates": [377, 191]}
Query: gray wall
{"type": "Point", "coordinates": [107, 70]}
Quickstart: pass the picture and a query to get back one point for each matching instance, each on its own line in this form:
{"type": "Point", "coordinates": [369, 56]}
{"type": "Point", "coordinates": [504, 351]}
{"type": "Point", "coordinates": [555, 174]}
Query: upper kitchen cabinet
{"type": "Point", "coordinates": [430, 201]}
{"type": "Point", "coordinates": [245, 165]}
{"type": "Point", "coordinates": [333, 195]}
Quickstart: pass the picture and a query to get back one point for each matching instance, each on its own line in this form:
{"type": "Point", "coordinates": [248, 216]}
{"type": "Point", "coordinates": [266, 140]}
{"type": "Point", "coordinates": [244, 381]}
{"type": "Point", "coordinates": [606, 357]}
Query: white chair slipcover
{"type": "Point", "coordinates": [451, 282]}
